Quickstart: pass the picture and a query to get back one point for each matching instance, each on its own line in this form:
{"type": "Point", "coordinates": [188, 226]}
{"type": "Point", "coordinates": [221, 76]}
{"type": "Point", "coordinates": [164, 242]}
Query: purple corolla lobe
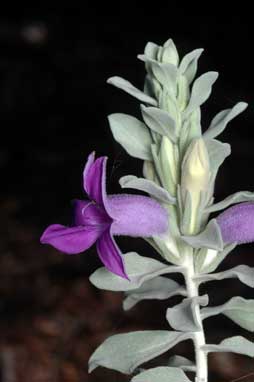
{"type": "Point", "coordinates": [96, 220]}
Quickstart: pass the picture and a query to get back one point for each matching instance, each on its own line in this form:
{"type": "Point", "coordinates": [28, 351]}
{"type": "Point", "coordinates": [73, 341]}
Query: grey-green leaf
{"type": "Point", "coordinates": [221, 120]}
{"type": "Point", "coordinates": [188, 65]}
{"type": "Point", "coordinates": [201, 90]}
{"type": "Point", "coordinates": [159, 288]}
{"type": "Point", "coordinates": [162, 374]}
{"type": "Point", "coordinates": [183, 316]}
{"type": "Point", "coordinates": [165, 73]}
{"type": "Point", "coordinates": [181, 362]}
{"type": "Point", "coordinates": [151, 50]}
{"type": "Point", "coordinates": [236, 344]}
{"type": "Point", "coordinates": [131, 181]}
{"type": "Point", "coordinates": [169, 53]}
{"type": "Point", "coordinates": [125, 85]}
{"type": "Point", "coordinates": [242, 272]}
{"type": "Point", "coordinates": [238, 309]}
{"type": "Point", "coordinates": [125, 352]}
{"type": "Point", "coordinates": [238, 197]}
{"type": "Point", "coordinates": [210, 238]}
{"type": "Point", "coordinates": [212, 265]}
{"type": "Point", "coordinates": [217, 152]}
{"type": "Point", "coordinates": [132, 134]}
{"type": "Point", "coordinates": [138, 268]}
{"type": "Point", "coordinates": [160, 121]}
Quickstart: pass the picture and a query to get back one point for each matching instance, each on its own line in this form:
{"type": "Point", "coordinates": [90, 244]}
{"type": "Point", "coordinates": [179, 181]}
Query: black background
{"type": "Point", "coordinates": [54, 102]}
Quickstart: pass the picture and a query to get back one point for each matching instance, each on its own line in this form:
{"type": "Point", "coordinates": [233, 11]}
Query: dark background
{"type": "Point", "coordinates": [54, 102]}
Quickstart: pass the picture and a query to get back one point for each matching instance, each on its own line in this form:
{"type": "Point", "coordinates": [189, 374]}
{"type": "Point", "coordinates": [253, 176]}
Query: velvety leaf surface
{"type": "Point", "coordinates": [124, 352]}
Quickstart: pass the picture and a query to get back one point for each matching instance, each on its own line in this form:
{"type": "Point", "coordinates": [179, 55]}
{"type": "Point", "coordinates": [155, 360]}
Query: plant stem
{"type": "Point", "coordinates": [198, 337]}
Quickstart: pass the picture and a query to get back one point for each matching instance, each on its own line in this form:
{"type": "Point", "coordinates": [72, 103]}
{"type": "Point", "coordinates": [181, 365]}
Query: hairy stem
{"type": "Point", "coordinates": [198, 337]}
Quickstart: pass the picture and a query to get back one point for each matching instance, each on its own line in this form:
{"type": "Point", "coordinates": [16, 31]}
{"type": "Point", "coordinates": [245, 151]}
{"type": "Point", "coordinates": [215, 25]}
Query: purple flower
{"type": "Point", "coordinates": [237, 223]}
{"type": "Point", "coordinates": [102, 216]}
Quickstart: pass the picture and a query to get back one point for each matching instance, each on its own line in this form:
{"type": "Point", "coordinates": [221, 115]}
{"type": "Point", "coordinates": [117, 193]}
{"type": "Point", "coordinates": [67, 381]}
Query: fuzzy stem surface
{"type": "Point", "coordinates": [198, 337]}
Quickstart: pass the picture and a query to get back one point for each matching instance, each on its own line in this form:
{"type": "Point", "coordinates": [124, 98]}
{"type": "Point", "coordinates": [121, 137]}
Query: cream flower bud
{"type": "Point", "coordinates": [195, 167]}
{"type": "Point", "coordinates": [195, 179]}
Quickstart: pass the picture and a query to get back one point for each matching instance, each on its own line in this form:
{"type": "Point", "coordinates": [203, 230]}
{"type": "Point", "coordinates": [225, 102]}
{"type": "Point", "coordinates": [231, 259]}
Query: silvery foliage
{"type": "Point", "coordinates": [169, 121]}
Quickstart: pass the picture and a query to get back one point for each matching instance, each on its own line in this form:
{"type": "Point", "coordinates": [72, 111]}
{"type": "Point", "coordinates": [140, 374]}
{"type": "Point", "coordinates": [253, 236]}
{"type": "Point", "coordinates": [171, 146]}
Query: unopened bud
{"type": "Point", "coordinates": [195, 178]}
{"type": "Point", "coordinates": [195, 167]}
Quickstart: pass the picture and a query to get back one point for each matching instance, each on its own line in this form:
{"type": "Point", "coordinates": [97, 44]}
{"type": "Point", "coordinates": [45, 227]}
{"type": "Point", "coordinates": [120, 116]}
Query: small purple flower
{"type": "Point", "coordinates": [102, 216]}
{"type": "Point", "coordinates": [237, 223]}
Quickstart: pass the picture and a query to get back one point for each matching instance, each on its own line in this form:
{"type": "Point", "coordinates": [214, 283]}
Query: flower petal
{"type": "Point", "coordinates": [94, 178]}
{"type": "Point", "coordinates": [78, 208]}
{"type": "Point", "coordinates": [237, 223]}
{"type": "Point", "coordinates": [70, 240]}
{"type": "Point", "coordinates": [110, 254]}
{"type": "Point", "coordinates": [87, 213]}
{"type": "Point", "coordinates": [137, 216]}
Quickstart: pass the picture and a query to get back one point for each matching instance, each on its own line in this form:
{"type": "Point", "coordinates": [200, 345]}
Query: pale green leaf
{"type": "Point", "coordinates": [169, 53]}
{"type": "Point", "coordinates": [159, 288]}
{"type": "Point", "coordinates": [132, 134]}
{"type": "Point", "coordinates": [149, 171]}
{"type": "Point", "coordinates": [125, 352]}
{"type": "Point", "coordinates": [125, 85]}
{"type": "Point", "coordinates": [217, 152]}
{"type": "Point", "coordinates": [138, 268]}
{"type": "Point", "coordinates": [160, 122]}
{"type": "Point", "coordinates": [162, 374]}
{"type": "Point", "coordinates": [188, 65]}
{"type": "Point", "coordinates": [182, 362]}
{"type": "Point", "coordinates": [183, 316]}
{"type": "Point", "coordinates": [131, 181]}
{"type": "Point", "coordinates": [209, 238]}
{"type": "Point", "coordinates": [242, 272]}
{"type": "Point", "coordinates": [236, 344]}
{"type": "Point", "coordinates": [238, 309]}
{"type": "Point", "coordinates": [238, 197]}
{"type": "Point", "coordinates": [151, 50]}
{"type": "Point", "coordinates": [210, 265]}
{"type": "Point", "coordinates": [183, 93]}
{"type": "Point", "coordinates": [165, 73]}
{"type": "Point", "coordinates": [221, 120]}
{"type": "Point", "coordinates": [186, 213]}
{"type": "Point", "coordinates": [200, 92]}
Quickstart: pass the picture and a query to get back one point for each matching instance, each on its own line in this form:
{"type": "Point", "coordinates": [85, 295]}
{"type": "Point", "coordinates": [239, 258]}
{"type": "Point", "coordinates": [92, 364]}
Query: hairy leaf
{"type": "Point", "coordinates": [165, 73]}
{"type": "Point", "coordinates": [125, 352]}
{"type": "Point", "coordinates": [160, 122]}
{"type": "Point", "coordinates": [201, 90]}
{"type": "Point", "coordinates": [217, 152]}
{"type": "Point", "coordinates": [125, 85]}
{"type": "Point", "coordinates": [208, 261]}
{"type": "Point", "coordinates": [238, 197]}
{"type": "Point", "coordinates": [189, 63]}
{"type": "Point", "coordinates": [162, 374]}
{"type": "Point", "coordinates": [238, 309]}
{"type": "Point", "coordinates": [221, 120]}
{"type": "Point", "coordinates": [159, 288]}
{"type": "Point", "coordinates": [132, 134]}
{"type": "Point", "coordinates": [242, 272]}
{"type": "Point", "coordinates": [183, 316]}
{"type": "Point", "coordinates": [131, 181]}
{"type": "Point", "coordinates": [181, 362]}
{"type": "Point", "coordinates": [139, 270]}
{"type": "Point", "coordinates": [209, 238]}
{"type": "Point", "coordinates": [236, 344]}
